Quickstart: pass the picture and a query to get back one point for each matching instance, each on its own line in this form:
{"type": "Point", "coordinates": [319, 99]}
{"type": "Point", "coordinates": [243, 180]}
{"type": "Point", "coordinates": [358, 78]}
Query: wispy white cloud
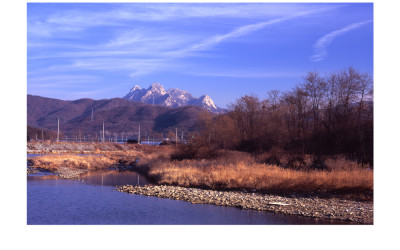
{"type": "Point", "coordinates": [172, 11]}
{"type": "Point", "coordinates": [142, 50]}
{"type": "Point", "coordinates": [248, 74]}
{"type": "Point", "coordinates": [76, 20]}
{"type": "Point", "coordinates": [320, 51]}
{"type": "Point", "coordinates": [113, 63]}
{"type": "Point", "coordinates": [150, 41]}
{"type": "Point", "coordinates": [45, 29]}
{"type": "Point", "coordinates": [239, 10]}
{"type": "Point", "coordinates": [60, 81]}
{"type": "Point", "coordinates": [62, 84]}
{"type": "Point", "coordinates": [135, 67]}
{"type": "Point", "coordinates": [242, 31]}
{"type": "Point", "coordinates": [54, 79]}
{"type": "Point", "coordinates": [38, 29]}
{"type": "Point", "coordinates": [79, 19]}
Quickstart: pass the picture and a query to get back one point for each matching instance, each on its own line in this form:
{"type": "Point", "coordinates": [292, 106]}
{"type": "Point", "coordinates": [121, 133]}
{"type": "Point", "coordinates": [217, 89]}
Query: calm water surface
{"type": "Point", "coordinates": [94, 201]}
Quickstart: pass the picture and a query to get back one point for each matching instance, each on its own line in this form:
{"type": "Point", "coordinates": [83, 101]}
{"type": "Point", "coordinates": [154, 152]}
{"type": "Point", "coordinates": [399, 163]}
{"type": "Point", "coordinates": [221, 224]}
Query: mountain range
{"type": "Point", "coordinates": [86, 116]}
{"type": "Point", "coordinates": [157, 95]}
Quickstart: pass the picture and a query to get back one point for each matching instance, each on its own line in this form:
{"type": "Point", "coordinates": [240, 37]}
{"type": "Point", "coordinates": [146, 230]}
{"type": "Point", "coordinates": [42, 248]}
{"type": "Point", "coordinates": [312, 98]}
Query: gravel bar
{"type": "Point", "coordinates": [334, 209]}
{"type": "Point", "coordinates": [70, 174]}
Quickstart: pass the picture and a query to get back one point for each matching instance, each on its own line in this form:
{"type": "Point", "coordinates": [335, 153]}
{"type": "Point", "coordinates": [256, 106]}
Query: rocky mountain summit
{"type": "Point", "coordinates": [157, 95]}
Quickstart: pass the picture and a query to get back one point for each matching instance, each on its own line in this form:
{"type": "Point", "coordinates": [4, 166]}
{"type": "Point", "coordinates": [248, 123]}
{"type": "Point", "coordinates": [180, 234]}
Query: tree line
{"type": "Point", "coordinates": [41, 134]}
{"type": "Point", "coordinates": [323, 115]}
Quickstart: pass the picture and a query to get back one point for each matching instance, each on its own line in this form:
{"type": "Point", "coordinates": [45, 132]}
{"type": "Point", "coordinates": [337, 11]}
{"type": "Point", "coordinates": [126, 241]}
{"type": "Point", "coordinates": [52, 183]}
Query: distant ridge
{"type": "Point", "coordinates": [119, 115]}
{"type": "Point", "coordinates": [156, 94]}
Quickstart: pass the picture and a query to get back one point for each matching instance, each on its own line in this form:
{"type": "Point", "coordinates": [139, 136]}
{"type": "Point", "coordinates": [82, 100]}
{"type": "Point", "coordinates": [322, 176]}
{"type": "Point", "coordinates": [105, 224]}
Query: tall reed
{"type": "Point", "coordinates": [216, 174]}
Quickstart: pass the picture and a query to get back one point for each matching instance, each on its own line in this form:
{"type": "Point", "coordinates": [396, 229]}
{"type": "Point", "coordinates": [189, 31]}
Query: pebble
{"type": "Point", "coordinates": [70, 174]}
{"type": "Point", "coordinates": [334, 209]}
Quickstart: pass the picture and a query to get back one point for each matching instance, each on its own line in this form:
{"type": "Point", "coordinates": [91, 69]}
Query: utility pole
{"type": "Point", "coordinates": [42, 135]}
{"type": "Point", "coordinates": [92, 115]}
{"type": "Point", "coordinates": [139, 135]}
{"type": "Point", "coordinates": [176, 136]}
{"type": "Point", "coordinates": [103, 131]}
{"type": "Point", "coordinates": [58, 129]}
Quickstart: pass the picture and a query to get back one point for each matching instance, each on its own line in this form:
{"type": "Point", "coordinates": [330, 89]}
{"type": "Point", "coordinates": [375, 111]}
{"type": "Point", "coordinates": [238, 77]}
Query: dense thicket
{"type": "Point", "coordinates": [323, 115]}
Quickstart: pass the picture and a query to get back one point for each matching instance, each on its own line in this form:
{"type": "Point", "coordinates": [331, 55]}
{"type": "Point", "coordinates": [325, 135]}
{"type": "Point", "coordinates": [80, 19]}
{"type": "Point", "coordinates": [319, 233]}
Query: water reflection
{"type": "Point", "coordinates": [63, 202]}
{"type": "Point", "coordinates": [113, 178]}
{"type": "Point", "coordinates": [40, 176]}
{"type": "Point", "coordinates": [102, 178]}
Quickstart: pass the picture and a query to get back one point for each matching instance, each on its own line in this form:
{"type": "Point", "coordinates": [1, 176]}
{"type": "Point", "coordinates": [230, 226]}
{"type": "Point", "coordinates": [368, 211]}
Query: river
{"type": "Point", "coordinates": [94, 201]}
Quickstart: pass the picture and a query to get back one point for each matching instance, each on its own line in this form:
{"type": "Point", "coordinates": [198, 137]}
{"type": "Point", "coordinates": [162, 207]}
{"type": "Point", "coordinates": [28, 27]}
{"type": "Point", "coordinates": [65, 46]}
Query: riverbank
{"type": "Point", "coordinates": [70, 166]}
{"type": "Point", "coordinates": [345, 193]}
{"type": "Point", "coordinates": [47, 147]}
{"type": "Point", "coordinates": [333, 209]}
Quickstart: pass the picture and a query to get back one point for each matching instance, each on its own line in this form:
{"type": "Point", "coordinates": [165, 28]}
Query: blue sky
{"type": "Point", "coordinates": [100, 50]}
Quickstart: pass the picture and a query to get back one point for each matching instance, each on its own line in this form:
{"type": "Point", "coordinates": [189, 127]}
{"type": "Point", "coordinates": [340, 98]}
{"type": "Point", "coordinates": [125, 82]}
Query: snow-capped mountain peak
{"type": "Point", "coordinates": [156, 94]}
{"type": "Point", "coordinates": [207, 101]}
{"type": "Point", "coordinates": [136, 87]}
{"type": "Point", "coordinates": [157, 88]}
{"type": "Point", "coordinates": [155, 91]}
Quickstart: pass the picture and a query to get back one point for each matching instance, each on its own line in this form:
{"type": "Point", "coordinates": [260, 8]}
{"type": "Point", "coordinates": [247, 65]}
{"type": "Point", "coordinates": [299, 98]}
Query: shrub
{"type": "Point", "coordinates": [340, 162]}
{"type": "Point", "coordinates": [318, 163]}
{"type": "Point", "coordinates": [231, 156]}
{"type": "Point", "coordinates": [297, 162]}
{"type": "Point", "coordinates": [193, 151]}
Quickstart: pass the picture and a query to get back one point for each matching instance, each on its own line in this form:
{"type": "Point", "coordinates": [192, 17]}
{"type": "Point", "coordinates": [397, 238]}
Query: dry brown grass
{"type": "Point", "coordinates": [231, 170]}
{"type": "Point", "coordinates": [89, 162]}
{"type": "Point", "coordinates": [238, 174]}
{"type": "Point", "coordinates": [341, 163]}
{"type": "Point", "coordinates": [53, 162]}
